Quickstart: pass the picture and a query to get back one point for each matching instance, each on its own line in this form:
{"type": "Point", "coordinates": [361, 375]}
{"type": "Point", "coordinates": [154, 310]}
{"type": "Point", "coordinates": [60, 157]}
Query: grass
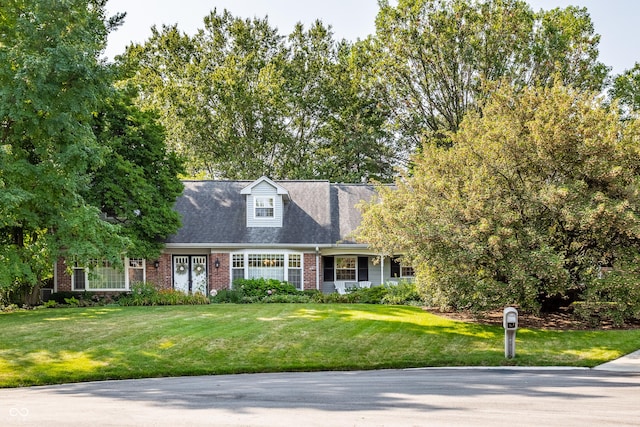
{"type": "Point", "coordinates": [84, 344]}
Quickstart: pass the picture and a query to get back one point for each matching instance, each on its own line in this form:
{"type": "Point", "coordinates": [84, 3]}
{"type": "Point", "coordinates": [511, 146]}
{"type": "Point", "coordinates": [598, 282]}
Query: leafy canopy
{"type": "Point", "coordinates": [534, 195]}
{"type": "Point", "coordinates": [239, 100]}
{"type": "Point", "coordinates": [50, 83]}
{"type": "Point", "coordinates": [436, 56]}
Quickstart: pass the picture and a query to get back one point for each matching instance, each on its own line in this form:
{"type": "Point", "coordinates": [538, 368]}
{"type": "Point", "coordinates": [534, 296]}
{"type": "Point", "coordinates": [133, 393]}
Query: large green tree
{"type": "Point", "coordinates": [137, 185]}
{"type": "Point", "coordinates": [240, 101]}
{"type": "Point", "coordinates": [50, 82]}
{"type": "Point", "coordinates": [83, 173]}
{"type": "Point", "coordinates": [535, 194]}
{"type": "Point", "coordinates": [626, 90]}
{"type": "Point", "coordinates": [436, 55]}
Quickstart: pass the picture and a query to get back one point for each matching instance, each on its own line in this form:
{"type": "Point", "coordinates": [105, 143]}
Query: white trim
{"type": "Point", "coordinates": [245, 255]}
{"type": "Point", "coordinates": [272, 202]}
{"type": "Point", "coordinates": [255, 246]}
{"type": "Point", "coordinates": [279, 189]}
{"type": "Point", "coordinates": [125, 272]}
{"type": "Point", "coordinates": [55, 276]}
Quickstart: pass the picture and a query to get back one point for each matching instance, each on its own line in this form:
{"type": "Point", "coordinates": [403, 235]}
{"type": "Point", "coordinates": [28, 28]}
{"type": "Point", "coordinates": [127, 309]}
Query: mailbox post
{"type": "Point", "coordinates": [510, 324]}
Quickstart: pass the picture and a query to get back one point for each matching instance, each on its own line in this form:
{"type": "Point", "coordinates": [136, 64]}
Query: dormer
{"type": "Point", "coordinates": [265, 203]}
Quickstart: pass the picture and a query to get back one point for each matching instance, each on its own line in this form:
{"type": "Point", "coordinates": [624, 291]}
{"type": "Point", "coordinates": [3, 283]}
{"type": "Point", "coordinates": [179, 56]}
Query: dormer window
{"type": "Point", "coordinates": [264, 207]}
{"type": "Point", "coordinates": [265, 203]}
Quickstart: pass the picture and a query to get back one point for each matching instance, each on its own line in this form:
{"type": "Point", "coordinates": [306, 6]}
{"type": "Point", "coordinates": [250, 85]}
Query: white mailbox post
{"type": "Point", "coordinates": [510, 324]}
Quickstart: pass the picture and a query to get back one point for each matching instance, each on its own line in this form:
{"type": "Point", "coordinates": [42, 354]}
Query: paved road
{"type": "Point", "coordinates": [431, 397]}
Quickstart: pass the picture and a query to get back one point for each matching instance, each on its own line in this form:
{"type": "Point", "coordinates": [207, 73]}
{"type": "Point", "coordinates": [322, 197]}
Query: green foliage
{"type": "Point", "coordinates": [73, 302]}
{"type": "Point", "coordinates": [295, 107]}
{"type": "Point", "coordinates": [287, 298]}
{"type": "Point", "coordinates": [533, 195]}
{"type": "Point", "coordinates": [80, 299]}
{"type": "Point", "coordinates": [137, 185]}
{"type": "Point", "coordinates": [264, 287]}
{"type": "Point", "coordinates": [404, 293]}
{"type": "Point", "coordinates": [50, 304]}
{"type": "Point", "coordinates": [614, 298]}
{"type": "Point", "coordinates": [146, 294]}
{"type": "Point", "coordinates": [435, 58]}
{"type": "Point", "coordinates": [51, 81]}
{"type": "Point", "coordinates": [626, 90]}
{"type": "Point", "coordinates": [233, 296]}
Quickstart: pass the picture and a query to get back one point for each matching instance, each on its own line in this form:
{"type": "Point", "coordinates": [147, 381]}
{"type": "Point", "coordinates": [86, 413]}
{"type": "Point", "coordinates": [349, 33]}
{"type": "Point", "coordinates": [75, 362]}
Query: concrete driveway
{"type": "Point", "coordinates": [431, 397]}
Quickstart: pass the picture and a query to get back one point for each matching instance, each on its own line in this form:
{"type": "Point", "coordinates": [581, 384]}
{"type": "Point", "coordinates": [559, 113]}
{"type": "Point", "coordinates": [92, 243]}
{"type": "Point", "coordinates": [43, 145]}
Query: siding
{"type": "Point", "coordinates": [267, 190]}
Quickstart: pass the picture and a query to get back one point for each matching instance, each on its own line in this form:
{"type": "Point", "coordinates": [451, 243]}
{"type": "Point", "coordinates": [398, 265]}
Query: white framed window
{"type": "Point", "coordinates": [263, 207]}
{"type": "Point", "coordinates": [294, 270]}
{"type": "Point", "coordinates": [136, 271]}
{"type": "Point", "coordinates": [100, 275]}
{"type": "Point", "coordinates": [283, 266]}
{"type": "Point", "coordinates": [266, 266]}
{"type": "Point", "coordinates": [346, 268]}
{"type": "Point", "coordinates": [406, 271]}
{"type": "Point", "coordinates": [237, 267]}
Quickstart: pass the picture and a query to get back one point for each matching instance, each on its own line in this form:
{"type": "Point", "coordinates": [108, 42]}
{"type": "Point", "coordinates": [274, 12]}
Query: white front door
{"type": "Point", "coordinates": [190, 273]}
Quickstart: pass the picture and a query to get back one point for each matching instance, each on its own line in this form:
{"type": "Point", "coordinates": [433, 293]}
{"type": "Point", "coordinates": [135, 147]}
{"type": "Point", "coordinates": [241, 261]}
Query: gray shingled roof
{"type": "Point", "coordinates": [214, 212]}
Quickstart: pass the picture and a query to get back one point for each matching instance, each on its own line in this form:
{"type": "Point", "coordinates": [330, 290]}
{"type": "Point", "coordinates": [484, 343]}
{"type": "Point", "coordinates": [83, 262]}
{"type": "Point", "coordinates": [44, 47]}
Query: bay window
{"type": "Point", "coordinates": [285, 267]}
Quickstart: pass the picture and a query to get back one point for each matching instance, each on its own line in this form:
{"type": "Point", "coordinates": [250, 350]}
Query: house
{"type": "Point", "coordinates": [295, 231]}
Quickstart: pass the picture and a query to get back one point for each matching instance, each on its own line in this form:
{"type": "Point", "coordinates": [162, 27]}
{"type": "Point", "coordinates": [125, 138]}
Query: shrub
{"type": "Point", "coordinates": [145, 294]}
{"type": "Point", "coordinates": [264, 287]}
{"type": "Point", "coordinates": [233, 296]}
{"type": "Point", "coordinates": [614, 298]}
{"type": "Point", "coordinates": [372, 295]}
{"type": "Point", "coordinates": [405, 293]}
{"type": "Point", "coordinates": [81, 299]}
{"type": "Point", "coordinates": [73, 302]}
{"type": "Point", "coordinates": [285, 298]}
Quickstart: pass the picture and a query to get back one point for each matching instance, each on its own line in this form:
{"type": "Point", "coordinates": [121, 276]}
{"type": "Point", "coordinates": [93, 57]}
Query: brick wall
{"type": "Point", "coordinates": [161, 276]}
{"type": "Point", "coordinates": [219, 278]}
{"type": "Point", "coordinates": [309, 274]}
{"type": "Point", "coordinates": [63, 277]}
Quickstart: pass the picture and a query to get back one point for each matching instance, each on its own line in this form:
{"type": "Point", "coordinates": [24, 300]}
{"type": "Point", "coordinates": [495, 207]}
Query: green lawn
{"type": "Point", "coordinates": [82, 344]}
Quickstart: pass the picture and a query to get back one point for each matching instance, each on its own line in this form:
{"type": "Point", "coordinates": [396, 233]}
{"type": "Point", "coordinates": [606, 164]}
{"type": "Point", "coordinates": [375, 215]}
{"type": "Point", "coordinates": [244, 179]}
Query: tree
{"type": "Point", "coordinates": [50, 84]}
{"type": "Point", "coordinates": [535, 194]}
{"type": "Point", "coordinates": [435, 57]}
{"type": "Point", "coordinates": [626, 89]}
{"type": "Point", "coordinates": [138, 184]}
{"type": "Point", "coordinates": [240, 101]}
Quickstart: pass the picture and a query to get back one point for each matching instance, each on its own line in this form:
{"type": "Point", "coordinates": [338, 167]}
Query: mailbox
{"type": "Point", "coordinates": [510, 324]}
{"type": "Point", "coordinates": [510, 319]}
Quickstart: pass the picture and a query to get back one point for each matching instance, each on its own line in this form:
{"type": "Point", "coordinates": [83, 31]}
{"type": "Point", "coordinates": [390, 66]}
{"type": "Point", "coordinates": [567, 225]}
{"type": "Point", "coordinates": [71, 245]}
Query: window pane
{"type": "Point", "coordinates": [294, 261]}
{"type": "Point", "coordinates": [238, 261]}
{"type": "Point", "coordinates": [79, 279]}
{"type": "Point", "coordinates": [237, 273]}
{"type": "Point", "coordinates": [346, 268]}
{"type": "Point", "coordinates": [407, 271]}
{"type": "Point", "coordinates": [346, 262]}
{"type": "Point", "coordinates": [264, 207]}
{"type": "Point", "coordinates": [136, 270]}
{"type": "Point", "coordinates": [295, 277]}
{"type": "Point", "coordinates": [266, 266]}
{"type": "Point", "coordinates": [103, 276]}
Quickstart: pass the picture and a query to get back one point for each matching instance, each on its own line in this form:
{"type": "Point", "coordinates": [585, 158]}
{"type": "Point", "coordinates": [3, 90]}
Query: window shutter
{"type": "Point", "coordinates": [395, 267]}
{"type": "Point", "coordinates": [327, 272]}
{"type": "Point", "coordinates": [363, 268]}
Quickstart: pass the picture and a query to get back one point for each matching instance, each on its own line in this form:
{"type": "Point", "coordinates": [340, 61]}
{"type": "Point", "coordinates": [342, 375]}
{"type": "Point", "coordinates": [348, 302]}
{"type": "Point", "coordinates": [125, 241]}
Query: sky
{"type": "Point", "coordinates": [617, 21]}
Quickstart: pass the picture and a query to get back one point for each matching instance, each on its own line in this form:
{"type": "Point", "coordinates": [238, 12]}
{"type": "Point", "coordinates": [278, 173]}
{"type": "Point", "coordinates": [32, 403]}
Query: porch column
{"type": "Point", "coordinates": [382, 269]}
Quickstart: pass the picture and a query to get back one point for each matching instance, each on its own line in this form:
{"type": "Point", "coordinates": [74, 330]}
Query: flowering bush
{"type": "Point", "coordinates": [147, 294]}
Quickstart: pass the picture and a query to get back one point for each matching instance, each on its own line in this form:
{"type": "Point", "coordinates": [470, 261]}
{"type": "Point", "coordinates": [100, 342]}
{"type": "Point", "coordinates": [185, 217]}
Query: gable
{"type": "Point", "coordinates": [265, 205]}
